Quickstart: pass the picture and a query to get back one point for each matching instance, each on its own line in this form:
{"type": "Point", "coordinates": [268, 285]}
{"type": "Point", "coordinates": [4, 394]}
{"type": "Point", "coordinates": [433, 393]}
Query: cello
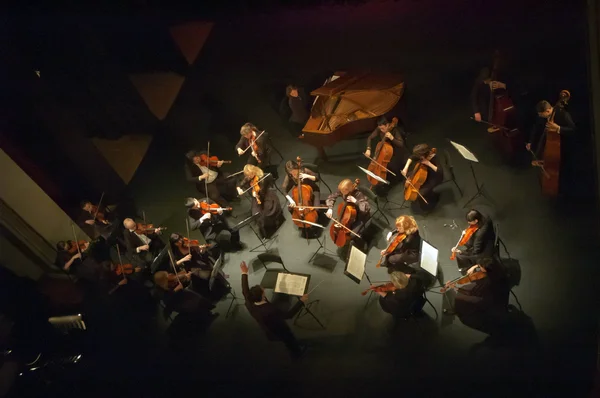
{"type": "Point", "coordinates": [383, 154]}
{"type": "Point", "coordinates": [347, 213]}
{"type": "Point", "coordinates": [551, 159]}
{"type": "Point", "coordinates": [303, 196]}
{"type": "Point", "coordinates": [416, 180]}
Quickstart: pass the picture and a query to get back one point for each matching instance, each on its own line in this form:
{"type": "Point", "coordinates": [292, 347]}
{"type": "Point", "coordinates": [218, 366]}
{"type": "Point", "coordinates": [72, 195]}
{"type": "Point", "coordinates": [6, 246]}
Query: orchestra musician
{"type": "Point", "coordinates": [81, 262]}
{"type": "Point", "coordinates": [422, 154]}
{"type": "Point", "coordinates": [197, 170]}
{"type": "Point", "coordinates": [480, 243]}
{"type": "Point", "coordinates": [269, 317]}
{"type": "Point", "coordinates": [398, 298]}
{"type": "Point", "coordinates": [92, 220]}
{"type": "Point", "coordinates": [307, 176]}
{"type": "Point", "coordinates": [264, 200]}
{"type": "Point", "coordinates": [481, 94]}
{"type": "Point", "coordinates": [256, 143]}
{"type": "Point", "coordinates": [213, 226]}
{"type": "Point", "coordinates": [182, 300]}
{"type": "Point", "coordinates": [396, 136]}
{"type": "Point", "coordinates": [297, 102]}
{"type": "Point", "coordinates": [352, 195]}
{"type": "Point", "coordinates": [407, 251]}
{"type": "Point", "coordinates": [142, 246]}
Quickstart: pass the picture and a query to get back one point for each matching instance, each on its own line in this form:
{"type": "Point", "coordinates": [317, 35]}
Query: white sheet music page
{"type": "Point", "coordinates": [465, 152]}
{"type": "Point", "coordinates": [356, 263]}
{"type": "Point", "coordinates": [429, 258]}
{"type": "Point", "coordinates": [292, 284]}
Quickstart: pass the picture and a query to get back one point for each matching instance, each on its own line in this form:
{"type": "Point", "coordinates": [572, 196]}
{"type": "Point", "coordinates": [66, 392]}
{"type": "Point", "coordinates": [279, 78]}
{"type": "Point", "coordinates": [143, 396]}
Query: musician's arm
{"type": "Point", "coordinates": [398, 141]}
{"type": "Point", "coordinates": [242, 143]}
{"type": "Point", "coordinates": [287, 184]}
{"type": "Point", "coordinates": [245, 287]}
{"type": "Point", "coordinates": [407, 165]}
{"type": "Point", "coordinates": [372, 136]}
{"type": "Point", "coordinates": [475, 97]}
{"type": "Point", "coordinates": [569, 127]}
{"type": "Point", "coordinates": [332, 198]}
{"type": "Point", "coordinates": [363, 203]}
{"type": "Point", "coordinates": [480, 235]}
{"type": "Point", "coordinates": [262, 143]}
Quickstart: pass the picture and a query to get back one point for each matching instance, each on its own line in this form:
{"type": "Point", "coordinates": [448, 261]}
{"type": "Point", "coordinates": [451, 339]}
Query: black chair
{"type": "Point", "coordinates": [449, 171]}
{"type": "Point", "coordinates": [314, 168]}
{"type": "Point", "coordinates": [375, 200]}
{"type": "Point", "coordinates": [265, 258]}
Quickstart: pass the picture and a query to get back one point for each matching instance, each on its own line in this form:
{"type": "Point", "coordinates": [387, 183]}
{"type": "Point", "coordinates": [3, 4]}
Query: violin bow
{"type": "Point", "coordinates": [75, 242]}
{"type": "Point", "coordinates": [120, 261]}
{"type": "Point", "coordinates": [308, 223]}
{"type": "Point", "coordinates": [459, 239]}
{"type": "Point", "coordinates": [234, 174]}
{"type": "Point", "coordinates": [378, 265]}
{"type": "Point", "coordinates": [98, 207]}
{"type": "Point", "coordinates": [380, 165]}
{"type": "Point", "coordinates": [541, 166]}
{"type": "Point", "coordinates": [187, 227]}
{"type": "Point", "coordinates": [144, 216]}
{"type": "Point", "coordinates": [492, 124]}
{"type": "Point", "coordinates": [345, 227]}
{"type": "Point", "coordinates": [250, 146]}
{"type": "Point", "coordinates": [173, 265]}
{"type": "Point", "coordinates": [413, 187]}
{"type": "Point", "coordinates": [253, 185]}
{"type": "Point", "coordinates": [208, 173]}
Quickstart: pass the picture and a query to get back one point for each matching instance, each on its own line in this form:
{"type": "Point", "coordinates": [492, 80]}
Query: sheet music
{"type": "Point", "coordinates": [429, 258]}
{"type": "Point", "coordinates": [465, 152]}
{"type": "Point", "coordinates": [292, 284]}
{"type": "Point", "coordinates": [356, 263]}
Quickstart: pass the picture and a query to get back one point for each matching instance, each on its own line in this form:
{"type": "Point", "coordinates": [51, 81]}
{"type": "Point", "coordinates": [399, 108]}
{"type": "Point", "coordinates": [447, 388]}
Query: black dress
{"type": "Point", "coordinates": [270, 214]}
{"type": "Point", "coordinates": [400, 153]}
{"type": "Point", "coordinates": [406, 253]}
{"type": "Point", "coordinates": [401, 302]}
{"type": "Point", "coordinates": [434, 178]}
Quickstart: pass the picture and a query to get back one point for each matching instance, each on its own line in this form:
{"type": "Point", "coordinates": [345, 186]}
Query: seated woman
{"type": "Point", "coordinates": [307, 176]}
{"type": "Point", "coordinates": [402, 294]}
{"type": "Point", "coordinates": [179, 299]}
{"type": "Point", "coordinates": [405, 252]}
{"type": "Point", "coordinates": [264, 200]}
{"type": "Point", "coordinates": [214, 227]}
{"type": "Point", "coordinates": [425, 156]}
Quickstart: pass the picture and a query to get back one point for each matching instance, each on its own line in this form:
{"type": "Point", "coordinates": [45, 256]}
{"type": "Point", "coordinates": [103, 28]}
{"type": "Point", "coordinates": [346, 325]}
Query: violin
{"type": "Point", "coordinates": [186, 244]}
{"type": "Point", "coordinates": [417, 179]}
{"type": "Point", "coordinates": [464, 238]}
{"type": "Point", "coordinates": [99, 216]}
{"type": "Point", "coordinates": [212, 208]}
{"type": "Point", "coordinates": [552, 159]}
{"type": "Point", "coordinates": [143, 229]}
{"type": "Point", "coordinates": [126, 269]}
{"type": "Point", "coordinates": [206, 161]}
{"type": "Point", "coordinates": [388, 287]}
{"type": "Point", "coordinates": [347, 214]}
{"type": "Point", "coordinates": [75, 247]}
{"type": "Point", "coordinates": [174, 280]}
{"type": "Point", "coordinates": [302, 195]}
{"type": "Point", "coordinates": [254, 146]}
{"type": "Point", "coordinates": [383, 154]}
{"type": "Point", "coordinates": [256, 189]}
{"type": "Point", "coordinates": [391, 247]}
{"type": "Point", "coordinates": [472, 277]}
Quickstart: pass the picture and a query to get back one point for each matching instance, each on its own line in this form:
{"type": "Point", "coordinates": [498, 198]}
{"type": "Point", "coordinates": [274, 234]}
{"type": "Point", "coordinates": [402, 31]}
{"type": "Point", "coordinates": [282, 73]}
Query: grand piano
{"type": "Point", "coordinates": [349, 104]}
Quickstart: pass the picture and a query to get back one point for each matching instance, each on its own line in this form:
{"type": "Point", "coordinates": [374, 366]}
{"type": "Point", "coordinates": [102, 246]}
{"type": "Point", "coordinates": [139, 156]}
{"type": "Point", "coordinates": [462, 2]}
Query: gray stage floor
{"type": "Point", "coordinates": [243, 62]}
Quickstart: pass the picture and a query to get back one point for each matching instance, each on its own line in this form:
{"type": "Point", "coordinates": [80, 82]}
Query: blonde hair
{"type": "Point", "coordinates": [248, 128]}
{"type": "Point", "coordinates": [253, 170]}
{"type": "Point", "coordinates": [161, 279]}
{"type": "Point", "coordinates": [422, 150]}
{"type": "Point", "coordinates": [408, 224]}
{"type": "Point", "coordinates": [399, 279]}
{"type": "Point", "coordinates": [347, 184]}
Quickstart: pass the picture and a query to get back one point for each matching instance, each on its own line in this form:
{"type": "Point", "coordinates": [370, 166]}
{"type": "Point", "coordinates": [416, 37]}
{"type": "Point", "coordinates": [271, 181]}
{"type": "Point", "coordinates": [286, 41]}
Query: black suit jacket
{"type": "Point", "coordinates": [482, 241]}
{"type": "Point", "coordinates": [132, 241]}
{"type": "Point", "coordinates": [411, 243]}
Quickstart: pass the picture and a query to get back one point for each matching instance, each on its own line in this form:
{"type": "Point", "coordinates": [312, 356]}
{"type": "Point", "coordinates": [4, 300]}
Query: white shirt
{"type": "Point", "coordinates": [211, 173]}
{"type": "Point", "coordinates": [142, 237]}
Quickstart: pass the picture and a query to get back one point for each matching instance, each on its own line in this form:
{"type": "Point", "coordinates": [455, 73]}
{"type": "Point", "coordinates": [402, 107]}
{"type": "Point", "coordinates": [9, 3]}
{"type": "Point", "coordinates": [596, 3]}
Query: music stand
{"type": "Point", "coordinates": [470, 156]}
{"type": "Point", "coordinates": [294, 284]}
{"type": "Point", "coordinates": [429, 258]}
{"type": "Point", "coordinates": [321, 242]}
{"type": "Point", "coordinates": [159, 259]}
{"type": "Point", "coordinates": [387, 201]}
{"type": "Point", "coordinates": [246, 222]}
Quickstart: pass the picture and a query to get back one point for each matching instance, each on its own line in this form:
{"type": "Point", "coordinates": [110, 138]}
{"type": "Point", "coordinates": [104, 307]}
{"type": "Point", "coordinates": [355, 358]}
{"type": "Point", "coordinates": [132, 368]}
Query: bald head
{"type": "Point", "coordinates": [128, 223]}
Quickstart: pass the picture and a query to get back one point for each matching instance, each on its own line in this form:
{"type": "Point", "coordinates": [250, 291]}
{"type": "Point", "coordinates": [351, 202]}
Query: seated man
{"type": "Point", "coordinates": [86, 265]}
{"type": "Point", "coordinates": [210, 177]}
{"type": "Point", "coordinates": [93, 221]}
{"type": "Point", "coordinates": [214, 227]}
{"type": "Point", "coordinates": [142, 248]}
{"type": "Point", "coordinates": [271, 320]}
{"type": "Point", "coordinates": [179, 299]}
{"type": "Point", "coordinates": [480, 243]}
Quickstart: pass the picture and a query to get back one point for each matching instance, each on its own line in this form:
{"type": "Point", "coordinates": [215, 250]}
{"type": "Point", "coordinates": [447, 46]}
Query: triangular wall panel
{"type": "Point", "coordinates": [190, 38]}
{"type": "Point", "coordinates": [158, 90]}
{"type": "Point", "coordinates": [125, 154]}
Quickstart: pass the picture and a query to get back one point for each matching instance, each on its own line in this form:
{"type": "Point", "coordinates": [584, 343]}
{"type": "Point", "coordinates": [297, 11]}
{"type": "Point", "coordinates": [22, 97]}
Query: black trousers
{"type": "Point", "coordinates": [221, 190]}
{"type": "Point", "coordinates": [467, 259]}
{"type": "Point", "coordinates": [400, 262]}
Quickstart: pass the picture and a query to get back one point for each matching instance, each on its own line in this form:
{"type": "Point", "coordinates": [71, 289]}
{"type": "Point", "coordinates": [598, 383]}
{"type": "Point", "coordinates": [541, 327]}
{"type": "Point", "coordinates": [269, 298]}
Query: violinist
{"type": "Point", "coordinates": [396, 136]}
{"type": "Point", "coordinates": [212, 224]}
{"type": "Point", "coordinates": [481, 95]}
{"type": "Point", "coordinates": [405, 252]}
{"type": "Point", "coordinates": [143, 245]}
{"type": "Point", "coordinates": [256, 144]}
{"type": "Point", "coordinates": [179, 299]}
{"type": "Point", "coordinates": [352, 196]}
{"type": "Point", "coordinates": [479, 239]}
{"type": "Point", "coordinates": [93, 221]}
{"type": "Point", "coordinates": [398, 296]}
{"type": "Point", "coordinates": [423, 155]}
{"type": "Point", "coordinates": [79, 259]}
{"type": "Point", "coordinates": [264, 200]}
{"type": "Point", "coordinates": [307, 176]}
{"type": "Point", "coordinates": [207, 175]}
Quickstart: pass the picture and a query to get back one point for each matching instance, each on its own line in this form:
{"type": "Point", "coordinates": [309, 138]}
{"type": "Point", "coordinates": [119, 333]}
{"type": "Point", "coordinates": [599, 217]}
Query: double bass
{"type": "Point", "coordinates": [303, 196]}
{"type": "Point", "coordinates": [341, 228]}
{"type": "Point", "coordinates": [551, 160]}
{"type": "Point", "coordinates": [383, 154]}
{"type": "Point", "coordinates": [416, 180]}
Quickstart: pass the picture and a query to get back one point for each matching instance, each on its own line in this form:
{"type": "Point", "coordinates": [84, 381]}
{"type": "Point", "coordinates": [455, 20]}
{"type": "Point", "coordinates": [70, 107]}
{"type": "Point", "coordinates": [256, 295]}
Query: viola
{"type": "Point", "coordinates": [383, 154]}
{"type": "Point", "coordinates": [552, 158]}
{"type": "Point", "coordinates": [99, 214]}
{"type": "Point", "coordinates": [347, 214]}
{"type": "Point", "coordinates": [467, 234]}
{"type": "Point", "coordinates": [212, 208]}
{"type": "Point", "coordinates": [472, 277]}
{"type": "Point", "coordinates": [126, 269]}
{"type": "Point", "coordinates": [418, 177]}
{"type": "Point", "coordinates": [399, 238]}
{"type": "Point", "coordinates": [75, 247]}
{"type": "Point", "coordinates": [303, 196]}
{"type": "Point", "coordinates": [186, 244]}
{"type": "Point", "coordinates": [210, 161]}
{"type": "Point", "coordinates": [388, 287]}
{"type": "Point", "coordinates": [143, 229]}
{"type": "Point", "coordinates": [256, 189]}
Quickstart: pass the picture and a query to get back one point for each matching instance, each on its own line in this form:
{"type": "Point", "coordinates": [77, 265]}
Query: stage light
{"type": "Point", "coordinates": [37, 72]}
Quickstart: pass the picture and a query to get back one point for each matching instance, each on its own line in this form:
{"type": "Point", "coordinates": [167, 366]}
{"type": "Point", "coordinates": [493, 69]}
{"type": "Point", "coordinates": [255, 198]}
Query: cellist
{"type": "Point", "coordinates": [481, 96]}
{"type": "Point", "coordinates": [353, 197]}
{"type": "Point", "coordinates": [478, 240]}
{"type": "Point", "coordinates": [404, 246]}
{"type": "Point", "coordinates": [387, 131]}
{"type": "Point", "coordinates": [307, 176]}
{"type": "Point", "coordinates": [423, 155]}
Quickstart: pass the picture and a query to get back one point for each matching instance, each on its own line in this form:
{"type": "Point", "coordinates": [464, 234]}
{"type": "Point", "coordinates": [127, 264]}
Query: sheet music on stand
{"type": "Point", "coordinates": [465, 152]}
{"type": "Point", "coordinates": [429, 257]}
{"type": "Point", "coordinates": [292, 284]}
{"type": "Point", "coordinates": [355, 268]}
{"type": "Point", "coordinates": [217, 268]}
{"type": "Point", "coordinates": [159, 259]}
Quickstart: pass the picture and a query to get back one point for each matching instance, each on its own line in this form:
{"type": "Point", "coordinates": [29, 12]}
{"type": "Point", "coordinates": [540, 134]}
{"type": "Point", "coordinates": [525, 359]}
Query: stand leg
{"type": "Point", "coordinates": [263, 243]}
{"type": "Point", "coordinates": [307, 310]}
{"type": "Point", "coordinates": [322, 245]}
{"type": "Point", "coordinates": [480, 190]}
